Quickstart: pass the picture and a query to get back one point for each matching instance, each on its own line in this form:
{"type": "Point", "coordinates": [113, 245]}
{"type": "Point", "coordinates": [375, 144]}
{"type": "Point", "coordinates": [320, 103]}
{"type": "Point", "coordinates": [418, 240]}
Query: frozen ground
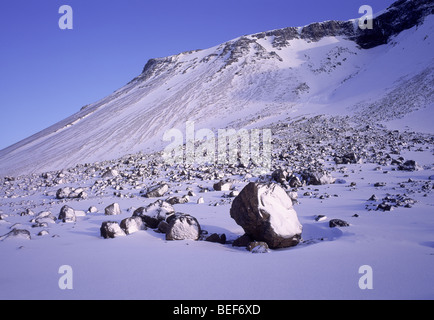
{"type": "Point", "coordinates": [333, 108]}
{"type": "Point", "coordinates": [397, 244]}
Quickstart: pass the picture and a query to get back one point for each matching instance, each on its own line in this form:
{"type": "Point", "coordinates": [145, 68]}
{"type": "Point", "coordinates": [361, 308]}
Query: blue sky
{"type": "Point", "coordinates": [47, 74]}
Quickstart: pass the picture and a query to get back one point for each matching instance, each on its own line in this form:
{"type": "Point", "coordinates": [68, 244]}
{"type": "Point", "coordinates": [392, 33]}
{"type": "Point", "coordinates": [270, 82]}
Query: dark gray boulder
{"type": "Point", "coordinates": [338, 223]}
{"type": "Point", "coordinates": [279, 175]}
{"type": "Point", "coordinates": [242, 241]}
{"type": "Point", "coordinates": [215, 237]}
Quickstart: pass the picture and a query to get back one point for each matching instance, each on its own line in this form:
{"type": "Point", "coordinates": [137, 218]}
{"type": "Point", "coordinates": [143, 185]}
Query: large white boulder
{"type": "Point", "coordinates": [265, 212]}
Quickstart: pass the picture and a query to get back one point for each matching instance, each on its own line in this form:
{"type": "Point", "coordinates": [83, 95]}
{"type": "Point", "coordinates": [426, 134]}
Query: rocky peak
{"type": "Point", "coordinates": [401, 15]}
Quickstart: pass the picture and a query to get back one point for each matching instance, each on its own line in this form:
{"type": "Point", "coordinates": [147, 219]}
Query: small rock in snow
{"type": "Point", "coordinates": [338, 223]}
{"type": "Point", "coordinates": [113, 210]}
{"type": "Point", "coordinates": [67, 214]}
{"type": "Point", "coordinates": [111, 229]}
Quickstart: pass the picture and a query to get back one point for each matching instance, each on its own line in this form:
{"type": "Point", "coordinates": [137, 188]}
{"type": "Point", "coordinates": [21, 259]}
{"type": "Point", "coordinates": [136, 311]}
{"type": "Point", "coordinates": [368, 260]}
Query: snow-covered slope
{"type": "Point", "coordinates": [330, 67]}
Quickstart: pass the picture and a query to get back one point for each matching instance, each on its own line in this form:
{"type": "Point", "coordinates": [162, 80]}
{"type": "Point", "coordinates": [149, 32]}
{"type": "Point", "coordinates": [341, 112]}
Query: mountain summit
{"type": "Point", "coordinates": [331, 67]}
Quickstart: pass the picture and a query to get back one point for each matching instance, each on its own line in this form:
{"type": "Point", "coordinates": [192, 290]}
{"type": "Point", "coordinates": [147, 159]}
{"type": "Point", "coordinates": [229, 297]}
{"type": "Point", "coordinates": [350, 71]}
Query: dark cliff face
{"type": "Point", "coordinates": [400, 16]}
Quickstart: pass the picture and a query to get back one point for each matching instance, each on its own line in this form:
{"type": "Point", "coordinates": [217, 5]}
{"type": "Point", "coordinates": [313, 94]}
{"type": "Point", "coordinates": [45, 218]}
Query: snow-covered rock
{"type": "Point", "coordinates": [223, 185]}
{"type": "Point", "coordinates": [132, 225]}
{"type": "Point", "coordinates": [157, 191]}
{"type": "Point", "coordinates": [409, 165]}
{"type": "Point", "coordinates": [16, 234]}
{"type": "Point", "coordinates": [113, 209]}
{"type": "Point", "coordinates": [155, 212]}
{"type": "Point", "coordinates": [111, 229]}
{"type": "Point", "coordinates": [110, 173]}
{"type": "Point", "coordinates": [178, 200]}
{"type": "Point", "coordinates": [265, 212]}
{"type": "Point", "coordinates": [71, 193]}
{"type": "Point", "coordinates": [183, 227]}
{"type": "Point", "coordinates": [67, 214]}
{"type": "Point", "coordinates": [258, 247]}
{"type": "Point", "coordinates": [317, 178]}
{"type": "Point", "coordinates": [92, 209]}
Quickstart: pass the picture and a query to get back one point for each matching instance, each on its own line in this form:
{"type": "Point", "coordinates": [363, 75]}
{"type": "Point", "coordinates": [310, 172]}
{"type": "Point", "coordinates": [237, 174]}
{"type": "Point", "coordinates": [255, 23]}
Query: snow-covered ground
{"type": "Point", "coordinates": [397, 244]}
{"type": "Point", "coordinates": [323, 100]}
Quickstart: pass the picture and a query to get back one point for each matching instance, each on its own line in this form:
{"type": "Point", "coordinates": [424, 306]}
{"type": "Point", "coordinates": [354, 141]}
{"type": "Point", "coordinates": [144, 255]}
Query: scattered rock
{"type": "Point", "coordinates": [320, 217]}
{"type": "Point", "coordinates": [216, 238]}
{"type": "Point", "coordinates": [373, 198]}
{"type": "Point", "coordinates": [258, 247]}
{"type": "Point", "coordinates": [223, 185]}
{"type": "Point", "coordinates": [42, 233]}
{"type": "Point", "coordinates": [178, 200]}
{"type": "Point", "coordinates": [71, 193]}
{"type": "Point", "coordinates": [113, 210]}
{"type": "Point", "coordinates": [63, 193]}
{"type": "Point", "coordinates": [110, 173]}
{"type": "Point", "coordinates": [295, 182]}
{"type": "Point", "coordinates": [44, 214]}
{"type": "Point", "coordinates": [67, 214]}
{"type": "Point", "coordinates": [265, 212]}
{"type": "Point", "coordinates": [379, 184]}
{"type": "Point", "coordinates": [317, 178]}
{"type": "Point", "coordinates": [157, 191]}
{"type": "Point", "coordinates": [385, 207]}
{"type": "Point", "coordinates": [409, 165]}
{"type": "Point", "coordinates": [92, 209]}
{"type": "Point", "coordinates": [28, 212]}
{"type": "Point", "coordinates": [347, 158]}
{"type": "Point", "coordinates": [338, 223]}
